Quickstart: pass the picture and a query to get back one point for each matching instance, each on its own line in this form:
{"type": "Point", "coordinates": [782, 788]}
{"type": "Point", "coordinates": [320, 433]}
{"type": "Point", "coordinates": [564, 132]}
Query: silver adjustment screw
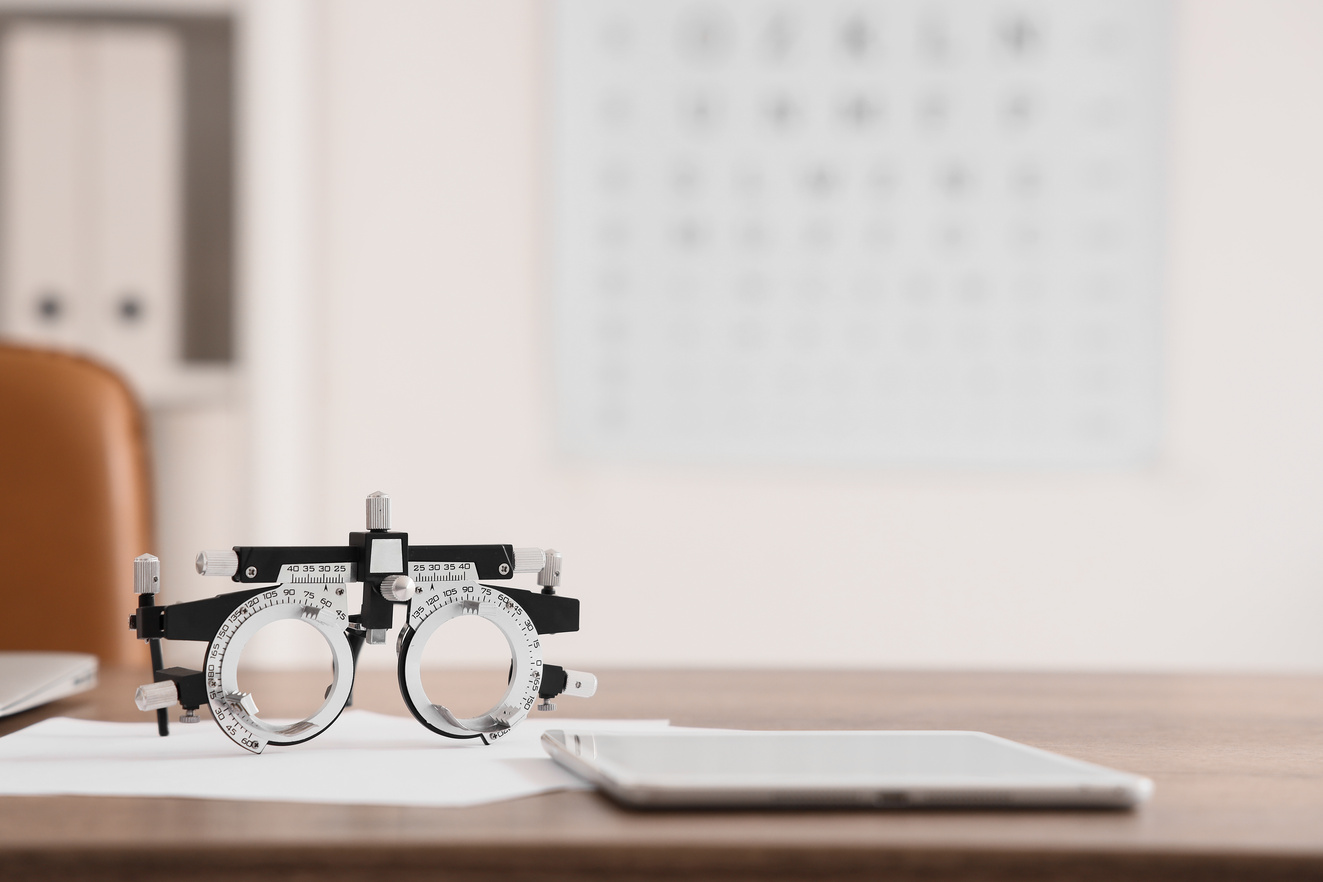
{"type": "Point", "coordinates": [146, 574]}
{"type": "Point", "coordinates": [545, 705]}
{"type": "Point", "coordinates": [376, 636]}
{"type": "Point", "coordinates": [398, 588]}
{"type": "Point", "coordinates": [190, 716]}
{"type": "Point", "coordinates": [549, 575]}
{"type": "Point", "coordinates": [154, 696]}
{"type": "Point", "coordinates": [529, 560]}
{"type": "Point", "coordinates": [378, 511]}
{"type": "Point", "coordinates": [217, 563]}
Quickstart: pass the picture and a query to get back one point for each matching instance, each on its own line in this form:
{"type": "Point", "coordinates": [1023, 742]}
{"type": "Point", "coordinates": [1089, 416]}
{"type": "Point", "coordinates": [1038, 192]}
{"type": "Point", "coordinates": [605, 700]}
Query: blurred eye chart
{"type": "Point", "coordinates": [886, 233]}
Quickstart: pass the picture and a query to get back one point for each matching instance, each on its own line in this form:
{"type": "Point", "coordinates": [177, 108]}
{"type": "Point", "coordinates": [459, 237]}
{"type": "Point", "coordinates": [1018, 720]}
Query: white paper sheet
{"type": "Point", "coordinates": [410, 765]}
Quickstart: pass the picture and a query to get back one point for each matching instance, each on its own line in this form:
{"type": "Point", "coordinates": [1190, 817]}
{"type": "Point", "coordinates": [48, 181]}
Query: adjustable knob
{"type": "Point", "coordinates": [549, 574]}
{"type": "Point", "coordinates": [398, 588]}
{"type": "Point", "coordinates": [529, 560]}
{"type": "Point", "coordinates": [378, 511]}
{"type": "Point", "coordinates": [217, 563]}
{"type": "Point", "coordinates": [154, 696]}
{"type": "Point", "coordinates": [580, 684]}
{"type": "Point", "coordinates": [146, 574]}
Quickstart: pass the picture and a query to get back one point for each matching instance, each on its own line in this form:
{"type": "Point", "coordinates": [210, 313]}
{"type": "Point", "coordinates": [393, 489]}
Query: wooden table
{"type": "Point", "coordinates": [1238, 762]}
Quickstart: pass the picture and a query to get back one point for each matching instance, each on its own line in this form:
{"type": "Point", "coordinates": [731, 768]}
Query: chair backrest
{"type": "Point", "coordinates": [75, 505]}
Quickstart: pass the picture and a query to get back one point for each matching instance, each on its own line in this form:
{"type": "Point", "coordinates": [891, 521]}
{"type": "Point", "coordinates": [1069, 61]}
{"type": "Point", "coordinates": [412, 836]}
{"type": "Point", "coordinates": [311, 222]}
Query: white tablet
{"type": "Point", "coordinates": [718, 767]}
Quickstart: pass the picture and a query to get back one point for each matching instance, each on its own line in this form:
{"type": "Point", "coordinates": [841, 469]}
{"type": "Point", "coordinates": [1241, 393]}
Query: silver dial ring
{"type": "Point", "coordinates": [437, 604]}
{"type": "Point", "coordinates": [223, 695]}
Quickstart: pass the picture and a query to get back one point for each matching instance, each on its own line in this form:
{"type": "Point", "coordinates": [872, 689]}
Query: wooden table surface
{"type": "Point", "coordinates": [1238, 762]}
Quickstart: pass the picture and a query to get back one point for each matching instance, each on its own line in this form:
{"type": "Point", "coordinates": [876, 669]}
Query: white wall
{"type": "Point", "coordinates": [430, 380]}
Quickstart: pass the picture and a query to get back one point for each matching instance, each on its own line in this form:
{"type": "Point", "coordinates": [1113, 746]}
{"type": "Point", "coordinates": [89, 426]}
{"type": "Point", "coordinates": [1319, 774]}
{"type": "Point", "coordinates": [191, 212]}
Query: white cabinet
{"type": "Point", "coordinates": [47, 236]}
{"type": "Point", "coordinates": [93, 198]}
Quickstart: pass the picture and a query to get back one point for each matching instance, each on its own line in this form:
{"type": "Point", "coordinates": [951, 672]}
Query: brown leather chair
{"type": "Point", "coordinates": [75, 505]}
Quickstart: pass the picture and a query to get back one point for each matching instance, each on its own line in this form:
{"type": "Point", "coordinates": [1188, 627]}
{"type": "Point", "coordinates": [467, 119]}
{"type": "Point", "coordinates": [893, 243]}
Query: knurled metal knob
{"type": "Point", "coordinates": [378, 511]}
{"type": "Point", "coordinates": [398, 588]}
{"type": "Point", "coordinates": [146, 574]}
{"type": "Point", "coordinates": [217, 563]}
{"type": "Point", "coordinates": [549, 574]}
{"type": "Point", "coordinates": [154, 696]}
{"type": "Point", "coordinates": [529, 560]}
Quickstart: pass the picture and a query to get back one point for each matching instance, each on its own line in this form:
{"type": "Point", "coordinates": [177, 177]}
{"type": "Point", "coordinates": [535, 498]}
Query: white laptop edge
{"type": "Point", "coordinates": [31, 679]}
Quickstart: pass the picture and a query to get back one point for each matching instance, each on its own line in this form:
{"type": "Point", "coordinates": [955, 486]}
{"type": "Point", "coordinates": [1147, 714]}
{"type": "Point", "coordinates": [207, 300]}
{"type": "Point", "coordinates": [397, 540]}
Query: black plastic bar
{"type": "Point", "coordinates": [266, 560]}
{"type": "Point", "coordinates": [487, 558]}
{"type": "Point", "coordinates": [551, 613]}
